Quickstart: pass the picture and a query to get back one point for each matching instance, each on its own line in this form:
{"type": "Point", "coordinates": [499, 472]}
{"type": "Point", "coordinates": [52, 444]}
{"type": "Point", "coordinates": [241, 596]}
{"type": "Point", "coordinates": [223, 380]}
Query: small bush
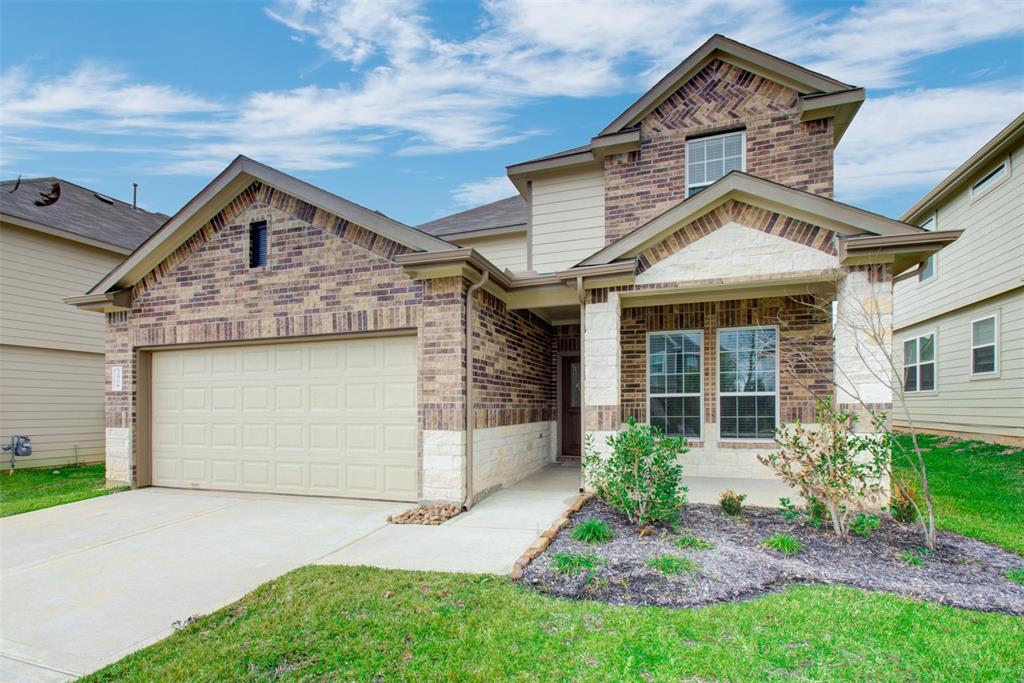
{"type": "Point", "coordinates": [593, 531]}
{"type": "Point", "coordinates": [670, 564]}
{"type": "Point", "coordinates": [574, 563]}
{"type": "Point", "coordinates": [817, 513]}
{"type": "Point", "coordinates": [731, 502]}
{"type": "Point", "coordinates": [1016, 575]}
{"type": "Point", "coordinates": [783, 543]}
{"type": "Point", "coordinates": [911, 558]}
{"type": "Point", "coordinates": [865, 524]}
{"type": "Point", "coordinates": [641, 477]}
{"type": "Point", "coordinates": [693, 543]}
{"type": "Point", "coordinates": [790, 512]}
{"type": "Point", "coordinates": [902, 501]}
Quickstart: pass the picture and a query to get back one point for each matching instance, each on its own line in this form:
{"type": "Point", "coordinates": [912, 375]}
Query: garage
{"type": "Point", "coordinates": [327, 418]}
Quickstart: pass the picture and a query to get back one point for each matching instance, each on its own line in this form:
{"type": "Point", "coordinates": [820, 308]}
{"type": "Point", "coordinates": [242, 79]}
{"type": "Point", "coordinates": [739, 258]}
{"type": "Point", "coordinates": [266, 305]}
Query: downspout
{"type": "Point", "coordinates": [467, 470]}
{"type": "Point", "coordinates": [583, 374]}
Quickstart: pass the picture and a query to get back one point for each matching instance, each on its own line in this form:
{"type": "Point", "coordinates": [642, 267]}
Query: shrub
{"type": "Point", "coordinates": [731, 502]}
{"type": "Point", "coordinates": [831, 464]}
{"type": "Point", "coordinates": [911, 558]}
{"type": "Point", "coordinates": [693, 543]}
{"type": "Point", "coordinates": [670, 564]}
{"type": "Point", "coordinates": [574, 563]}
{"type": "Point", "coordinates": [783, 543]}
{"type": "Point", "coordinates": [790, 512]}
{"type": "Point", "coordinates": [593, 531]}
{"type": "Point", "coordinates": [903, 502]}
{"type": "Point", "coordinates": [641, 477]}
{"type": "Point", "coordinates": [1016, 575]}
{"type": "Point", "coordinates": [865, 524]}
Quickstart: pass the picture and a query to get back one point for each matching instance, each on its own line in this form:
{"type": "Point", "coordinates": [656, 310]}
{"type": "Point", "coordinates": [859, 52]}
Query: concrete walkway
{"type": "Point", "coordinates": [84, 584]}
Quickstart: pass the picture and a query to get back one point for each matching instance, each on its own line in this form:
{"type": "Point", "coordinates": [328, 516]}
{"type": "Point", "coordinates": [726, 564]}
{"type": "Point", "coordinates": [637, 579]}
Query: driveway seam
{"type": "Point", "coordinates": [41, 665]}
{"type": "Point", "coordinates": [343, 546]}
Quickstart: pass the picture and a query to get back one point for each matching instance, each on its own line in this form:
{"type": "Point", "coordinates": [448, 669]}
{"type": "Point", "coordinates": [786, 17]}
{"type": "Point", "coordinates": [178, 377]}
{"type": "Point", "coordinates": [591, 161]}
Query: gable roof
{"type": "Point", "coordinates": [806, 206]}
{"type": "Point", "coordinates": [79, 214]}
{"type": "Point", "coordinates": [808, 83]}
{"type": "Point", "coordinates": [239, 174]}
{"type": "Point", "coordinates": [511, 212]}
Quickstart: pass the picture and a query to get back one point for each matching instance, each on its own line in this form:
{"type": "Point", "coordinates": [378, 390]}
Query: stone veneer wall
{"type": "Point", "coordinates": [640, 185]}
{"type": "Point", "coordinates": [324, 276]}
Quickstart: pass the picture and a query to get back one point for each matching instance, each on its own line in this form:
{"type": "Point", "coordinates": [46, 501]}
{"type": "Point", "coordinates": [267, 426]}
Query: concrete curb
{"type": "Point", "coordinates": [542, 542]}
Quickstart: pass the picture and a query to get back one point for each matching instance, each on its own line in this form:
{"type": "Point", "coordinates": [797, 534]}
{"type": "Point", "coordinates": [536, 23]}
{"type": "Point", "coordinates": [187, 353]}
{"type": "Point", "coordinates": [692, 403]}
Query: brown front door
{"type": "Point", "coordinates": [570, 390]}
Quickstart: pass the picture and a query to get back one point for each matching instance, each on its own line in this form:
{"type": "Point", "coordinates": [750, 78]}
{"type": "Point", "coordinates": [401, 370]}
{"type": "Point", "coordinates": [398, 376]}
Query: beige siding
{"type": "Point", "coordinates": [504, 251]}
{"type": "Point", "coordinates": [567, 219]}
{"type": "Point", "coordinates": [37, 272]}
{"type": "Point", "coordinates": [56, 398]}
{"type": "Point", "coordinates": [992, 405]}
{"type": "Point", "coordinates": [987, 260]}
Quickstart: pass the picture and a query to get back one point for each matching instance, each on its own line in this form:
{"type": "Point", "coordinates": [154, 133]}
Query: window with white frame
{"type": "Point", "coordinates": [710, 158]}
{"type": "Point", "coordinates": [748, 382]}
{"type": "Point", "coordinates": [674, 382]}
{"type": "Point", "coordinates": [919, 363]}
{"type": "Point", "coordinates": [989, 181]}
{"type": "Point", "coordinates": [929, 266]}
{"type": "Point", "coordinates": [984, 334]}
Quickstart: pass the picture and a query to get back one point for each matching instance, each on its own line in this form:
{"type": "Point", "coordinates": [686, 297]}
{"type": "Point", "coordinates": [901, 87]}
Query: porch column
{"type": "Point", "coordinates": [864, 372]}
{"type": "Point", "coordinates": [601, 415]}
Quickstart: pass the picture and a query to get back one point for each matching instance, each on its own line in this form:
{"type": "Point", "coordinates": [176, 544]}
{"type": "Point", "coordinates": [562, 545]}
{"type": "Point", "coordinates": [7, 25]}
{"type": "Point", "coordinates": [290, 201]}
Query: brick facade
{"type": "Point", "coordinates": [640, 185]}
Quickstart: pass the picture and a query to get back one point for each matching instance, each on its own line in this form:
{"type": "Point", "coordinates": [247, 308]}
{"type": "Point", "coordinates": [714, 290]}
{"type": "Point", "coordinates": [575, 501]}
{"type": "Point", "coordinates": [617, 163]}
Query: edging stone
{"type": "Point", "coordinates": [544, 539]}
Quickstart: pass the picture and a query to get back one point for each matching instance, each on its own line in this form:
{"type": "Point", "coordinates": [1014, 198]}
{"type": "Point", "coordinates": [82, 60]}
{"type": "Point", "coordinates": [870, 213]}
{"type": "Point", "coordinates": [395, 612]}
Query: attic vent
{"type": "Point", "coordinates": [102, 198]}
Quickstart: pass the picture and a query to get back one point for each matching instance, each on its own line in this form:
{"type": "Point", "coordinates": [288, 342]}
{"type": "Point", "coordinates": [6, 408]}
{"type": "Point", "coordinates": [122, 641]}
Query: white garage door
{"type": "Point", "coordinates": [334, 418]}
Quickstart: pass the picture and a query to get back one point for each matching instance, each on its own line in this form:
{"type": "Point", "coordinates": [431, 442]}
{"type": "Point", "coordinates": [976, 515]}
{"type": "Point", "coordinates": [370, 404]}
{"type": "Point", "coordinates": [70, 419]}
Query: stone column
{"type": "Point", "coordinates": [120, 402]}
{"type": "Point", "coordinates": [601, 413]}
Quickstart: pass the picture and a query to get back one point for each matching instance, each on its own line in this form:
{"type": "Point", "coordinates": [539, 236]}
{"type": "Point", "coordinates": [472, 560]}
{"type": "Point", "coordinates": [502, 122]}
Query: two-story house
{"type": "Point", "coordinates": [56, 240]}
{"type": "Point", "coordinates": [959, 317]}
{"type": "Point", "coordinates": [677, 268]}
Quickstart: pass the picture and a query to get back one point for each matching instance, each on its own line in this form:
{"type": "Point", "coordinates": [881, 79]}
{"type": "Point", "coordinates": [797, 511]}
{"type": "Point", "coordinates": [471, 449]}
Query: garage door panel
{"type": "Point", "coordinates": [327, 418]}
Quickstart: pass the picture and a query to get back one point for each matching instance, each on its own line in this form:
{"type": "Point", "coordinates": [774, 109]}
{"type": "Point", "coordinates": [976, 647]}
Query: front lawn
{"type": "Point", "coordinates": [362, 624]}
{"type": "Point", "coordinates": [977, 488]}
{"type": "Point", "coordinates": [28, 490]}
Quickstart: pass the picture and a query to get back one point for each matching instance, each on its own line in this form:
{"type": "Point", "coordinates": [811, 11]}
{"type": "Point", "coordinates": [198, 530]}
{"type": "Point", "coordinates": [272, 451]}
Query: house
{"type": "Point", "coordinates": [959, 317]}
{"type": "Point", "coordinates": [57, 239]}
{"type": "Point", "coordinates": [272, 336]}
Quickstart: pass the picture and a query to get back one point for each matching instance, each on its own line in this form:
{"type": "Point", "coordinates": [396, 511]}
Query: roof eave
{"type": "Point", "coordinates": [63, 234]}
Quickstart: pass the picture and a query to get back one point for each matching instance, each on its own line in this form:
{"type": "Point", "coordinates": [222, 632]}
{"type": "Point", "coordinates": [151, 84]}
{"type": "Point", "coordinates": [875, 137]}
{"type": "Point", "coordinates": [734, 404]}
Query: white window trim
{"type": "Point", "coordinates": [994, 315]}
{"type": "Point", "coordinates": [935, 361]}
{"type": "Point", "coordinates": [686, 156]}
{"type": "Point", "coordinates": [934, 218]}
{"type": "Point", "coordinates": [718, 376]}
{"type": "Point", "coordinates": [1007, 170]}
{"type": "Point", "coordinates": [647, 377]}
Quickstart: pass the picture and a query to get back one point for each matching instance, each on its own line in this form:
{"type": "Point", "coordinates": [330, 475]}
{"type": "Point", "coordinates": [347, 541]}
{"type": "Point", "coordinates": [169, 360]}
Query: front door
{"type": "Point", "coordinates": [570, 391]}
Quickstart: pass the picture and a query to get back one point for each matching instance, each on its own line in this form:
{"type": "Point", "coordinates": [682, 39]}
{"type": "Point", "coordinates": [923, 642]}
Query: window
{"type": "Point", "coordinates": [929, 266]}
{"type": "Point", "coordinates": [708, 159]}
{"type": "Point", "coordinates": [748, 382]}
{"type": "Point", "coordinates": [674, 382]}
{"type": "Point", "coordinates": [983, 346]}
{"type": "Point", "coordinates": [258, 244]}
{"type": "Point", "coordinates": [989, 181]}
{"type": "Point", "coordinates": [919, 363]}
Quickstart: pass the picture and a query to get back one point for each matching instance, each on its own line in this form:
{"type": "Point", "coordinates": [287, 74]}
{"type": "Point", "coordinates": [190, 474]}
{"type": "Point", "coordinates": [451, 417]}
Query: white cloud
{"type": "Point", "coordinates": [483, 191]}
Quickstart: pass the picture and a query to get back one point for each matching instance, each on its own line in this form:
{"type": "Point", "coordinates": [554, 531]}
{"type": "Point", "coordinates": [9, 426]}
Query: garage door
{"type": "Point", "coordinates": [334, 418]}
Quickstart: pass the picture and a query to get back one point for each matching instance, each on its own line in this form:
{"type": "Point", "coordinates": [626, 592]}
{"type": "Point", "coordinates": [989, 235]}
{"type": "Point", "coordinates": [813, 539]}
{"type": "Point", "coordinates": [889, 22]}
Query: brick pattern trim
{"type": "Point", "coordinates": [640, 185]}
{"type": "Point", "coordinates": [742, 213]}
{"type": "Point", "coordinates": [602, 418]}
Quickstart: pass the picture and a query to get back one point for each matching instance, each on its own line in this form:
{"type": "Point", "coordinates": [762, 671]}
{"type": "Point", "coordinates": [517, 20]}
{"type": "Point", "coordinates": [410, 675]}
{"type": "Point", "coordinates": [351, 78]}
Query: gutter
{"type": "Point", "coordinates": [467, 471]}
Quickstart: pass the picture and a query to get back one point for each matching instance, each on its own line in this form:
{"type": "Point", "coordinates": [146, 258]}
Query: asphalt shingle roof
{"type": "Point", "coordinates": [79, 211]}
{"type": "Point", "coordinates": [504, 213]}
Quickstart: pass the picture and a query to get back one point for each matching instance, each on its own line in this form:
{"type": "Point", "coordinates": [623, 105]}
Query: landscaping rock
{"type": "Point", "coordinates": [426, 514]}
{"type": "Point", "coordinates": [961, 572]}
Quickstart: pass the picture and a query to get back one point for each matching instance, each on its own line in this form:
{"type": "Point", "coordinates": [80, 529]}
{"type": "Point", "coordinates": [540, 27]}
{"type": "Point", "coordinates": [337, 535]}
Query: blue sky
{"type": "Point", "coordinates": [415, 108]}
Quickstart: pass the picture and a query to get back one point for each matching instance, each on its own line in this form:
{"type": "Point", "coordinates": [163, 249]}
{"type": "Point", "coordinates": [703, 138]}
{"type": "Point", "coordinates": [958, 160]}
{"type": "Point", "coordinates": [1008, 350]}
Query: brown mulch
{"type": "Point", "coordinates": [426, 514]}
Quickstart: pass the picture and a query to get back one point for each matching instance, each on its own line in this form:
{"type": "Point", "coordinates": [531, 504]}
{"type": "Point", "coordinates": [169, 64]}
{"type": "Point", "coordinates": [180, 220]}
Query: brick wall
{"type": "Point", "coordinates": [642, 184]}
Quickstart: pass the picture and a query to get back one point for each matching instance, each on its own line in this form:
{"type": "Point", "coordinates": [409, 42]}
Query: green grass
{"type": "Point", "coordinates": [593, 531]}
{"type": "Point", "coordinates": [574, 563]}
{"type": "Point", "coordinates": [978, 490]}
{"type": "Point", "coordinates": [693, 543]}
{"type": "Point", "coordinates": [670, 564]}
{"type": "Point", "coordinates": [911, 558]}
{"type": "Point", "coordinates": [1016, 575]}
{"type": "Point", "coordinates": [783, 543]}
{"type": "Point", "coordinates": [362, 624]}
{"type": "Point", "coordinates": [28, 490]}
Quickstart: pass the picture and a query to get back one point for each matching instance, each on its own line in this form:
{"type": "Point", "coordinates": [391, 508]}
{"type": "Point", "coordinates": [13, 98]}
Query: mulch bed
{"type": "Point", "coordinates": [426, 514]}
{"type": "Point", "coordinates": [961, 572]}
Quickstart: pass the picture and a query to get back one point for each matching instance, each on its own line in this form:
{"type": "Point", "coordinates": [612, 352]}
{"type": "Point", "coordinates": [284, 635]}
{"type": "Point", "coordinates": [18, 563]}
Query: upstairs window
{"type": "Point", "coordinates": [989, 181]}
{"type": "Point", "coordinates": [710, 158]}
{"type": "Point", "coordinates": [929, 266]}
{"type": "Point", "coordinates": [983, 346]}
{"type": "Point", "coordinates": [258, 244]}
{"type": "Point", "coordinates": [919, 363]}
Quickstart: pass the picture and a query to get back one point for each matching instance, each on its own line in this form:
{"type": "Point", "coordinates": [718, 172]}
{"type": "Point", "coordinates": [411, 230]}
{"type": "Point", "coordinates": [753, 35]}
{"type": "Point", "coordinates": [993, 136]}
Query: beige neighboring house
{"type": "Point", "coordinates": [959, 320]}
{"type": "Point", "coordinates": [56, 239]}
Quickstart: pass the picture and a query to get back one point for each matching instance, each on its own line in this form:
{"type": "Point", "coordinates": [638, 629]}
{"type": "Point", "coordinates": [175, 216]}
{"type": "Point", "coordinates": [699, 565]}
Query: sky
{"type": "Point", "coordinates": [414, 108]}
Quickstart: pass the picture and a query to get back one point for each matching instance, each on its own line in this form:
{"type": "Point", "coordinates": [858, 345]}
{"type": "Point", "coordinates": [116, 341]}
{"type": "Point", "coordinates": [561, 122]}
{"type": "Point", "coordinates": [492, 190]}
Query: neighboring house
{"type": "Point", "coordinates": [56, 240]}
{"type": "Point", "coordinates": [272, 336]}
{"type": "Point", "coordinates": [959, 319]}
